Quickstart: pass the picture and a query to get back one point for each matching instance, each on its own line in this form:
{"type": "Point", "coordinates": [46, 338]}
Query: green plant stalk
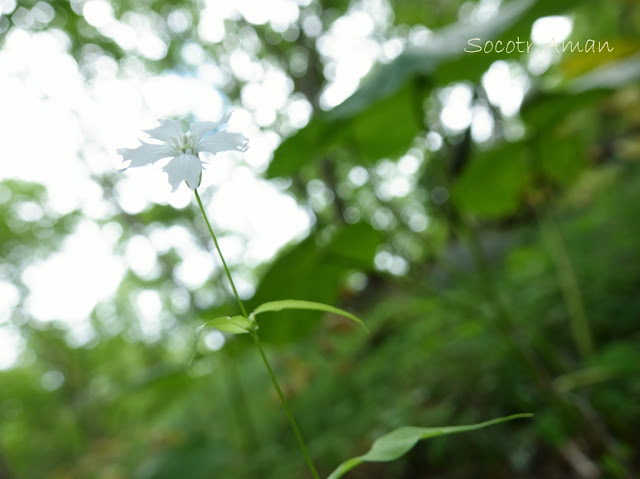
{"type": "Point", "coordinates": [240, 407]}
{"type": "Point", "coordinates": [258, 344]}
{"type": "Point", "coordinates": [285, 405]}
{"type": "Point", "coordinates": [224, 263]}
{"type": "Point", "coordinates": [569, 285]}
{"type": "Point", "coordinates": [235, 385]}
{"type": "Point", "coordinates": [504, 322]}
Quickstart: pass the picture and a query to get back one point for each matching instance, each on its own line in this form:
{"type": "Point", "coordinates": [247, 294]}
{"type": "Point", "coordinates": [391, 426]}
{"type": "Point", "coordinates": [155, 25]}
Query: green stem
{"type": "Point", "coordinates": [241, 409]}
{"type": "Point", "coordinates": [224, 263]}
{"type": "Point", "coordinates": [235, 385]}
{"type": "Point", "coordinates": [505, 324]}
{"type": "Point", "coordinates": [256, 340]}
{"type": "Point", "coordinates": [294, 425]}
{"type": "Point", "coordinates": [569, 285]}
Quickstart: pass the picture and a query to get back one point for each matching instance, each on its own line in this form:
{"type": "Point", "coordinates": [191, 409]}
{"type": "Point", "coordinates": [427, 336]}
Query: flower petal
{"type": "Point", "coordinates": [201, 128]}
{"type": "Point", "coordinates": [184, 168]}
{"type": "Point", "coordinates": [167, 131]}
{"type": "Point", "coordinates": [223, 141]}
{"type": "Point", "coordinates": [145, 154]}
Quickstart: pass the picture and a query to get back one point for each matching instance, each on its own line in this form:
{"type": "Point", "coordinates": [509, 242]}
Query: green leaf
{"type": "Point", "coordinates": [445, 44]}
{"type": "Point", "coordinates": [397, 443]}
{"type": "Point", "coordinates": [231, 325]}
{"type": "Point", "coordinates": [493, 184]}
{"type": "Point", "coordinates": [610, 76]}
{"type": "Point", "coordinates": [562, 156]}
{"type": "Point", "coordinates": [355, 245]}
{"type": "Point", "coordinates": [226, 324]}
{"type": "Point", "coordinates": [299, 150]}
{"type": "Point", "coordinates": [309, 274]}
{"type": "Point", "coordinates": [545, 109]}
{"type": "Point", "coordinates": [512, 21]}
{"type": "Point", "coordinates": [306, 305]}
{"type": "Point", "coordinates": [388, 126]}
{"type": "Point", "coordinates": [616, 360]}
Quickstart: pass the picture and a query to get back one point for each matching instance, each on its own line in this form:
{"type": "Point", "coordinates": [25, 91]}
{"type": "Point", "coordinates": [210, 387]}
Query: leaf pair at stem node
{"type": "Point", "coordinates": [242, 324]}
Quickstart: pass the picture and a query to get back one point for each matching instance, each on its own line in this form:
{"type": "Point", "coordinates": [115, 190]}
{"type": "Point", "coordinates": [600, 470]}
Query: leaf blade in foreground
{"type": "Point", "coordinates": [306, 305]}
{"type": "Point", "coordinates": [398, 442]}
{"type": "Point", "coordinates": [226, 324]}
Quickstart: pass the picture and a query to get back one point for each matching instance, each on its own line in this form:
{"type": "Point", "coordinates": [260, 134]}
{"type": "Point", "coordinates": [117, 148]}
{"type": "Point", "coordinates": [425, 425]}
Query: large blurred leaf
{"type": "Point", "coordinates": [298, 273]}
{"type": "Point", "coordinates": [355, 245]}
{"type": "Point", "coordinates": [545, 108]}
{"type": "Point", "coordinates": [444, 45]}
{"type": "Point", "coordinates": [507, 25]}
{"type": "Point", "coordinates": [299, 150]}
{"type": "Point", "coordinates": [561, 157]}
{"type": "Point", "coordinates": [431, 14]}
{"type": "Point", "coordinates": [492, 184]}
{"type": "Point", "coordinates": [313, 272]}
{"type": "Point", "coordinates": [574, 64]}
{"type": "Point", "coordinates": [387, 127]}
{"type": "Point", "coordinates": [610, 76]}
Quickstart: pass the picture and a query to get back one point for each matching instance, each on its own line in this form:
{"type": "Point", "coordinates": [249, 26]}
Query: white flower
{"type": "Point", "coordinates": [183, 149]}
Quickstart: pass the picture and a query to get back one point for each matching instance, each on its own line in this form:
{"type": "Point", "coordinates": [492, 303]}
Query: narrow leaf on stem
{"type": "Point", "coordinates": [306, 305]}
{"type": "Point", "coordinates": [395, 444]}
{"type": "Point", "coordinates": [226, 324]}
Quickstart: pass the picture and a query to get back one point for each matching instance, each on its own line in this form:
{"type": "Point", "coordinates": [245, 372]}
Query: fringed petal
{"type": "Point", "coordinates": [186, 168]}
{"type": "Point", "coordinates": [202, 128]}
{"type": "Point", "coordinates": [145, 154]}
{"type": "Point", "coordinates": [223, 141]}
{"type": "Point", "coordinates": [168, 131]}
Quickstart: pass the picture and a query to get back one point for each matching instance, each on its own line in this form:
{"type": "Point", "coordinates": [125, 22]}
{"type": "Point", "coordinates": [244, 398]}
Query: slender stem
{"type": "Point", "coordinates": [503, 318]}
{"type": "Point", "coordinates": [285, 405]}
{"type": "Point", "coordinates": [224, 263]}
{"type": "Point", "coordinates": [240, 406]}
{"type": "Point", "coordinates": [256, 340]}
{"type": "Point", "coordinates": [568, 279]}
{"type": "Point", "coordinates": [235, 385]}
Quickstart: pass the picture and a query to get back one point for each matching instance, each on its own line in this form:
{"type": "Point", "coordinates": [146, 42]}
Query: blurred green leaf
{"type": "Point", "coordinates": [444, 44]}
{"type": "Point", "coordinates": [492, 185]}
{"type": "Point", "coordinates": [562, 158]}
{"type": "Point", "coordinates": [609, 76]}
{"type": "Point", "coordinates": [288, 276]}
{"type": "Point", "coordinates": [387, 127]}
{"type": "Point", "coordinates": [621, 357]}
{"type": "Point", "coordinates": [545, 108]}
{"type": "Point", "coordinates": [299, 149]}
{"type": "Point", "coordinates": [395, 444]}
{"type": "Point", "coordinates": [355, 245]}
{"type": "Point", "coordinates": [351, 246]}
{"type": "Point", "coordinates": [617, 360]}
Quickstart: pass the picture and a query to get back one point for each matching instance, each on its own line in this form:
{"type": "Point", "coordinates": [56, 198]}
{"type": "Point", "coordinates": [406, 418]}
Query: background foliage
{"type": "Point", "coordinates": [504, 279]}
